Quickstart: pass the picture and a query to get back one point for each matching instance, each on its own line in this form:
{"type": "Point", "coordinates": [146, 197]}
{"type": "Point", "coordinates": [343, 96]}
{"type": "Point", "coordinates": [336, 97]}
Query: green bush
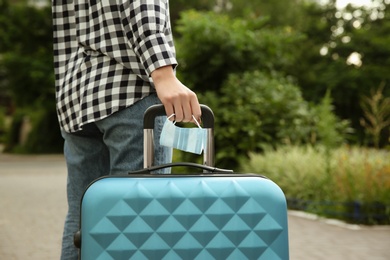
{"type": "Point", "coordinates": [2, 124]}
{"type": "Point", "coordinates": [43, 137]}
{"type": "Point", "coordinates": [12, 135]}
{"type": "Point", "coordinates": [357, 188]}
{"type": "Point", "coordinates": [211, 46]}
{"type": "Point", "coordinates": [26, 55]}
{"type": "Point", "coordinates": [27, 76]}
{"type": "Point", "coordinates": [221, 58]}
{"type": "Point", "coordinates": [255, 110]}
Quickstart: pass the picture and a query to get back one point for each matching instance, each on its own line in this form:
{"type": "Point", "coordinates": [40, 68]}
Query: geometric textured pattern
{"type": "Point", "coordinates": [184, 218]}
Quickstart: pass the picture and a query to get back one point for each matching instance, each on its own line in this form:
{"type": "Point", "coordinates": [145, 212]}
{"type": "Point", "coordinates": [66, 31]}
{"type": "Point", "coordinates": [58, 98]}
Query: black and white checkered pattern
{"type": "Point", "coordinates": [104, 53]}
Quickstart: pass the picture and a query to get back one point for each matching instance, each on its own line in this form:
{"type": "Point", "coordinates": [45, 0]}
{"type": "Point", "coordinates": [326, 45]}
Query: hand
{"type": "Point", "coordinates": [176, 98]}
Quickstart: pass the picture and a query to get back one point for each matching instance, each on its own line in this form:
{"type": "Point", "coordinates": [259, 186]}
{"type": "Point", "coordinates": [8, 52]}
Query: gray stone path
{"type": "Point", "coordinates": [33, 206]}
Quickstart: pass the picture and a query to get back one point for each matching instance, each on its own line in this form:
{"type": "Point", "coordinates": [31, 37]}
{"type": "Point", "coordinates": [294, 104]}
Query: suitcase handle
{"type": "Point", "coordinates": [186, 164]}
{"type": "Point", "coordinates": [158, 110]}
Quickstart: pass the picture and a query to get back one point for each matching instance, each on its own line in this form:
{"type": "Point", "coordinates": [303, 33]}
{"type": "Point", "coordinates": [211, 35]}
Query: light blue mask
{"type": "Point", "coordinates": [191, 140]}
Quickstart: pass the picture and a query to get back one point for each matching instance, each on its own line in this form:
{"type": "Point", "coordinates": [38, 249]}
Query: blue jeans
{"type": "Point", "coordinates": [113, 145]}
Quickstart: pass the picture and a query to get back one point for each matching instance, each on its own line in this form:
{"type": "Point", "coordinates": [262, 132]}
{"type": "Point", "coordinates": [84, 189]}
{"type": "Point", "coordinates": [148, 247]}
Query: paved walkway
{"type": "Point", "coordinates": [33, 205]}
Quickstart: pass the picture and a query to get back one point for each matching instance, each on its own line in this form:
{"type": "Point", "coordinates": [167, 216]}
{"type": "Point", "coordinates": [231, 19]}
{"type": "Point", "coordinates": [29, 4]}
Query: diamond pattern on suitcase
{"type": "Point", "coordinates": [172, 223]}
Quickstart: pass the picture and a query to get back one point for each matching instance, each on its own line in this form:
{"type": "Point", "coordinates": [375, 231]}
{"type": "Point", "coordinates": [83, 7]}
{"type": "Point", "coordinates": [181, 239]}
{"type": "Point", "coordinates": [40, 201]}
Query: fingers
{"type": "Point", "coordinates": [196, 110]}
{"type": "Point", "coordinates": [176, 97]}
{"type": "Point", "coordinates": [169, 110]}
{"type": "Point", "coordinates": [184, 105]}
{"type": "Point", "coordinates": [184, 109]}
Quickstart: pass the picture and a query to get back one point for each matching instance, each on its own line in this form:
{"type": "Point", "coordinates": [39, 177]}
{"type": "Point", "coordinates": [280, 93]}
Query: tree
{"type": "Point", "coordinates": [346, 51]}
{"type": "Point", "coordinates": [26, 63]}
{"type": "Point", "coordinates": [178, 6]}
{"type": "Point", "coordinates": [240, 69]}
{"type": "Point", "coordinates": [27, 75]}
{"type": "Point", "coordinates": [376, 110]}
{"type": "Point", "coordinates": [280, 13]}
{"type": "Point", "coordinates": [212, 46]}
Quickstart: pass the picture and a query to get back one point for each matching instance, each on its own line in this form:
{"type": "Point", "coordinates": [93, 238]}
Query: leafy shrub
{"type": "Point", "coordinates": [27, 76]}
{"type": "Point", "coordinates": [357, 189]}
{"type": "Point", "coordinates": [26, 54]}
{"type": "Point", "coordinates": [255, 110]}
{"type": "Point", "coordinates": [44, 135]}
{"type": "Point", "coordinates": [221, 58]}
{"type": "Point", "coordinates": [376, 110]}
{"type": "Point", "coordinates": [211, 46]}
{"type": "Point", "coordinates": [2, 124]}
{"type": "Point", "coordinates": [12, 135]}
{"type": "Point", "coordinates": [181, 5]}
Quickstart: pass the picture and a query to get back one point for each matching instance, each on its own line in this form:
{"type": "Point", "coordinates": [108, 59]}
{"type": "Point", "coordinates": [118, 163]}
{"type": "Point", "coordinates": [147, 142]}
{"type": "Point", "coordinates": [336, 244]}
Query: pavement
{"type": "Point", "coordinates": [33, 207]}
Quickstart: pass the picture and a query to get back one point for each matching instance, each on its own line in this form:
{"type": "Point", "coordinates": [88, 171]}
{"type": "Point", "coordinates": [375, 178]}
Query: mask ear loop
{"type": "Point", "coordinates": [169, 117]}
{"type": "Point", "coordinates": [197, 123]}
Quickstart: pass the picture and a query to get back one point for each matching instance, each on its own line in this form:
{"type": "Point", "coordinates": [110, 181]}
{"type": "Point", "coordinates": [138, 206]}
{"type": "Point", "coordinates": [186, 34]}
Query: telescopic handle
{"type": "Point", "coordinates": [158, 110]}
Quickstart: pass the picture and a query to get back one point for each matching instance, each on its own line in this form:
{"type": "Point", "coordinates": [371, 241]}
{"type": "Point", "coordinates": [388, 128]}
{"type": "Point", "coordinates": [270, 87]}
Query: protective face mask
{"type": "Point", "coordinates": [191, 140]}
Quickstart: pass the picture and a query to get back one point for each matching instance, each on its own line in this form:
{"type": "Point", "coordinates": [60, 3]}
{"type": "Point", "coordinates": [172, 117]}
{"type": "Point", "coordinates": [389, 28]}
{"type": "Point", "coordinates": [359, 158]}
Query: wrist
{"type": "Point", "coordinates": [162, 74]}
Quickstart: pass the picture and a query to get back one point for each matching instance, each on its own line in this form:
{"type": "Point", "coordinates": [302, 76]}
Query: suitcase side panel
{"type": "Point", "coordinates": [184, 218]}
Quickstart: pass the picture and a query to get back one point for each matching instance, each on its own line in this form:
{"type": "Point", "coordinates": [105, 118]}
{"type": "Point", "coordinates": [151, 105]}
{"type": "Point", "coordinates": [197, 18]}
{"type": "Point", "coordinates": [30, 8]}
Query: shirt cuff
{"type": "Point", "coordinates": [154, 52]}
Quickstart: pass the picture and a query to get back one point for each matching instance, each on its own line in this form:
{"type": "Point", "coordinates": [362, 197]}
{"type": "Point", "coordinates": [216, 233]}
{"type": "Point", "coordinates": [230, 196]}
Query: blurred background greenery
{"type": "Point", "coordinates": [303, 76]}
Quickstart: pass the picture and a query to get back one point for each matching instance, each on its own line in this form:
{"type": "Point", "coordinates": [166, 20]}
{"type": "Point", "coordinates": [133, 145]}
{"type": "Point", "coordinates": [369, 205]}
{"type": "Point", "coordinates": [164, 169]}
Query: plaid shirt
{"type": "Point", "coordinates": [104, 53]}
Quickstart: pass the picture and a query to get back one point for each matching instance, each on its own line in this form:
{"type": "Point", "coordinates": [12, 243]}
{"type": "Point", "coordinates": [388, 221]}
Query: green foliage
{"type": "Point", "coordinates": [27, 76]}
{"type": "Point", "coordinates": [12, 136]}
{"type": "Point", "coordinates": [281, 13]}
{"type": "Point", "coordinates": [212, 46]}
{"type": "Point", "coordinates": [29, 79]}
{"type": "Point", "coordinates": [358, 175]}
{"type": "Point", "coordinates": [41, 137]}
{"type": "Point", "coordinates": [26, 56]}
{"type": "Point", "coordinates": [221, 58]}
{"type": "Point", "coordinates": [331, 131]}
{"type": "Point", "coordinates": [340, 33]}
{"type": "Point", "coordinates": [217, 48]}
{"type": "Point", "coordinates": [178, 6]}
{"type": "Point", "coordinates": [254, 110]}
{"type": "Point", "coordinates": [376, 109]}
{"type": "Point", "coordinates": [44, 138]}
{"type": "Point", "coordinates": [2, 124]}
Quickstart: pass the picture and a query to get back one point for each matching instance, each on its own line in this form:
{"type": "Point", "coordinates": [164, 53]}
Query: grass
{"type": "Point", "coordinates": [352, 183]}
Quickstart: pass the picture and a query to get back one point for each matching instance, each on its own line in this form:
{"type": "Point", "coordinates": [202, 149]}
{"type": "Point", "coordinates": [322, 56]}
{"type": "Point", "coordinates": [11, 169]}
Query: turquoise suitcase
{"type": "Point", "coordinates": [215, 214]}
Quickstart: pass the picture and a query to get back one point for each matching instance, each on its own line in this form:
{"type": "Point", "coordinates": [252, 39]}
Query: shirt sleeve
{"type": "Point", "coordinates": [147, 26]}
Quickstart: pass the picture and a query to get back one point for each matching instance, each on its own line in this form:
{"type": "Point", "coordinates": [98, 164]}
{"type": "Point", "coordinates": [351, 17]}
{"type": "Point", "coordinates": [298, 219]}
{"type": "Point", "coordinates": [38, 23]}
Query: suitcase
{"type": "Point", "coordinates": [216, 214]}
